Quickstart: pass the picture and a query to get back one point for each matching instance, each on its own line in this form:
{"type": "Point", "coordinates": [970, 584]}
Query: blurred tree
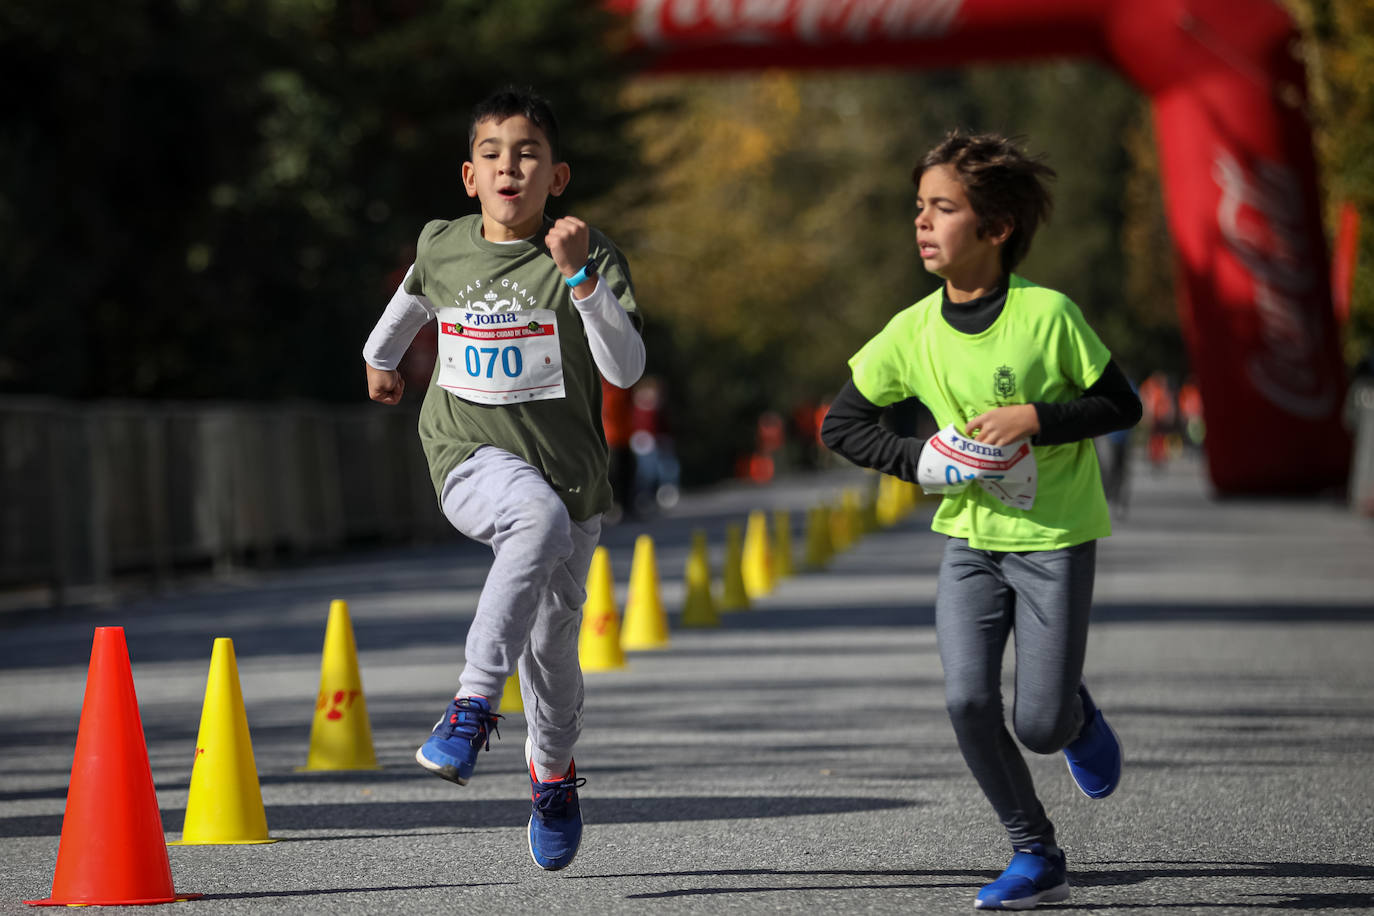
{"type": "Point", "coordinates": [1338, 47]}
{"type": "Point", "coordinates": [215, 199]}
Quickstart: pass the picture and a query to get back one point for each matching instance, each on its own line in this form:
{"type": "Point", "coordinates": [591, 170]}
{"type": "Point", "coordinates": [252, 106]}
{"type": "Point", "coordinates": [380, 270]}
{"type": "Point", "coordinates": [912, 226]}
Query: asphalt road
{"type": "Point", "coordinates": [795, 759]}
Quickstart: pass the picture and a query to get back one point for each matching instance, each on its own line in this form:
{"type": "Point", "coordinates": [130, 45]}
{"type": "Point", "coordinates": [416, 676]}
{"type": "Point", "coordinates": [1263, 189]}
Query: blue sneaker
{"type": "Point", "coordinates": [555, 829]}
{"type": "Point", "coordinates": [1036, 875]}
{"type": "Point", "coordinates": [1094, 757]}
{"type": "Point", "coordinates": [465, 729]}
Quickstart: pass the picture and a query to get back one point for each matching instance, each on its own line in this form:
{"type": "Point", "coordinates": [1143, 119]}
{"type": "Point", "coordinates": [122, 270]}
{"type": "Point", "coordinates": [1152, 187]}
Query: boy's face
{"type": "Point", "coordinates": [947, 233]}
{"type": "Point", "coordinates": [512, 173]}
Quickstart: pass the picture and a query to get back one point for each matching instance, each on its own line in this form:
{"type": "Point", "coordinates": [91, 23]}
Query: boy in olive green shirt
{"type": "Point", "coordinates": [531, 314]}
{"type": "Point", "coordinates": [1006, 367]}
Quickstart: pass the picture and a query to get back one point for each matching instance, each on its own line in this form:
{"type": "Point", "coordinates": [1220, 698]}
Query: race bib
{"type": "Point", "coordinates": [500, 357]}
{"type": "Point", "coordinates": [951, 461]}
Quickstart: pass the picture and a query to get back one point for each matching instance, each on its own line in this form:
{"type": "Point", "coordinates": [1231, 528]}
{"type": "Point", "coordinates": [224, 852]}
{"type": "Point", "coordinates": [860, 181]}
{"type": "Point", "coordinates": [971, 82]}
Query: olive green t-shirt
{"type": "Point", "coordinates": [561, 437]}
{"type": "Point", "coordinates": [1038, 349]}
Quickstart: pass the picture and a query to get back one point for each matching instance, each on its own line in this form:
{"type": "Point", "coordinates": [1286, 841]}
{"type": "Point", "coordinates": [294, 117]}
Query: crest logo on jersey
{"type": "Point", "coordinates": [1004, 382]}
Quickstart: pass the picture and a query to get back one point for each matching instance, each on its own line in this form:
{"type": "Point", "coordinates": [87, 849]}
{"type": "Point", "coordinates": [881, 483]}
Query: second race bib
{"type": "Point", "coordinates": [951, 461]}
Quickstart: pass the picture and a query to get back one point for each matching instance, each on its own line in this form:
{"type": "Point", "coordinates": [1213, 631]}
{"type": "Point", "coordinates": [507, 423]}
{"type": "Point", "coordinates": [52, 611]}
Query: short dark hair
{"type": "Point", "coordinates": [510, 101]}
{"type": "Point", "coordinates": [1003, 185]}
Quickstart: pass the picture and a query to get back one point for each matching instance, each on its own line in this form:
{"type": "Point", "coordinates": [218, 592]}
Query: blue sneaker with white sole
{"type": "Point", "coordinates": [1037, 874]}
{"type": "Point", "coordinates": [465, 729]}
{"type": "Point", "coordinates": [555, 829]}
{"type": "Point", "coordinates": [1094, 757]}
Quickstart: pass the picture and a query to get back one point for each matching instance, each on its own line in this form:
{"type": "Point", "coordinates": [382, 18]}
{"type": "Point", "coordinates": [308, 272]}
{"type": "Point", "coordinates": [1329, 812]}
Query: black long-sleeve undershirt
{"type": "Point", "coordinates": [852, 428]}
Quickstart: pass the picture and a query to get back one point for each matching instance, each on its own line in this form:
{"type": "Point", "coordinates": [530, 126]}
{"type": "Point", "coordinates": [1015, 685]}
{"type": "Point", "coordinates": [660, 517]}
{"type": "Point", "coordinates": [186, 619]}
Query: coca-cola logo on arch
{"type": "Point", "coordinates": [659, 22]}
{"type": "Point", "coordinates": [1262, 224]}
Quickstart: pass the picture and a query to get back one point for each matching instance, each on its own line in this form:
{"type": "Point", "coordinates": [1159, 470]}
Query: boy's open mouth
{"type": "Point", "coordinates": [508, 193]}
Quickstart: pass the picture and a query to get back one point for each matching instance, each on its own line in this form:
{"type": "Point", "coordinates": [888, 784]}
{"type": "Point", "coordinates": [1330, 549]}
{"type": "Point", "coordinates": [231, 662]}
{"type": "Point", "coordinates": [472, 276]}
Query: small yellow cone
{"type": "Point", "coordinates": [868, 510]}
{"type": "Point", "coordinates": [886, 508]}
{"type": "Point", "coordinates": [842, 523]}
{"type": "Point", "coordinates": [699, 607]}
{"type": "Point", "coordinates": [758, 556]}
{"type": "Point", "coordinates": [735, 597]}
{"type": "Point", "coordinates": [646, 624]}
{"type": "Point", "coordinates": [510, 697]}
{"type": "Point", "coordinates": [819, 547]}
{"type": "Point", "coordinates": [341, 735]}
{"type": "Point", "coordinates": [598, 642]}
{"type": "Point", "coordinates": [225, 803]}
{"type": "Point", "coordinates": [783, 565]}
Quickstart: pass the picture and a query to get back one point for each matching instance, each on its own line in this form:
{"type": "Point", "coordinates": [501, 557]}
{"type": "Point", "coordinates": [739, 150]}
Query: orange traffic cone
{"type": "Point", "coordinates": [112, 851]}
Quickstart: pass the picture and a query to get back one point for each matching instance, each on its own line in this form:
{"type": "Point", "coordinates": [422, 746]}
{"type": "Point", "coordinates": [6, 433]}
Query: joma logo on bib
{"type": "Point", "coordinates": [495, 318]}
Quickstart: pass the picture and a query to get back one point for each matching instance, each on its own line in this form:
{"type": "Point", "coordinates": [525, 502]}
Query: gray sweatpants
{"type": "Point", "coordinates": [530, 610]}
{"type": "Point", "coordinates": [1046, 597]}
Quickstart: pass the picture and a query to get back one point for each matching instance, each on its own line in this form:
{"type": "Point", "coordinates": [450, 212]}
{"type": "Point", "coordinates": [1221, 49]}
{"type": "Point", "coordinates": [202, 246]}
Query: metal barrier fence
{"type": "Point", "coordinates": [91, 493]}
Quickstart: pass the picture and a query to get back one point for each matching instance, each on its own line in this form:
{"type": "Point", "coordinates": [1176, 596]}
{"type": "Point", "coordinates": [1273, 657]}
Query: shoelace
{"type": "Point", "coordinates": [551, 799]}
{"type": "Point", "coordinates": [480, 722]}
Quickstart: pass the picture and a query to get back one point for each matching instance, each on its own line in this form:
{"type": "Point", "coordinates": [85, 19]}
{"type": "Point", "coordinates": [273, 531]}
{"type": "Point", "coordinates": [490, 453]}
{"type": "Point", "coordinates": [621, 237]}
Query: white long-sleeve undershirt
{"type": "Point", "coordinates": [616, 346]}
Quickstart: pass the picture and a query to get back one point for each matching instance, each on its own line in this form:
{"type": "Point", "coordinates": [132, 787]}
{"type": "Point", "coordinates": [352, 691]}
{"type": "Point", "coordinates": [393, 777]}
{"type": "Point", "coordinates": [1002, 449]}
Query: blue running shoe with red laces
{"type": "Point", "coordinates": [1094, 757]}
{"type": "Point", "coordinates": [555, 829]}
{"type": "Point", "coordinates": [465, 729]}
{"type": "Point", "coordinates": [1036, 875]}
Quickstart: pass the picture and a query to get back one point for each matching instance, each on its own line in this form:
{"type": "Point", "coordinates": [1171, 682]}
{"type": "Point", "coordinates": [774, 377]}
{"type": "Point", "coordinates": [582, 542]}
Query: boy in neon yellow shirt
{"type": "Point", "coordinates": [1003, 362]}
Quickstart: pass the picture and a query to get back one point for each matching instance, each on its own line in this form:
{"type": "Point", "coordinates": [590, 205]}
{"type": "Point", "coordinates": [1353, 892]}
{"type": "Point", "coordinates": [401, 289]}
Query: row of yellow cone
{"type": "Point", "coordinates": [754, 563]}
{"type": "Point", "coordinates": [225, 806]}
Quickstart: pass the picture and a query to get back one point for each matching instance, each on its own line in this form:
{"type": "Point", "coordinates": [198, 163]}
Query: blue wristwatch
{"type": "Point", "coordinates": [587, 272]}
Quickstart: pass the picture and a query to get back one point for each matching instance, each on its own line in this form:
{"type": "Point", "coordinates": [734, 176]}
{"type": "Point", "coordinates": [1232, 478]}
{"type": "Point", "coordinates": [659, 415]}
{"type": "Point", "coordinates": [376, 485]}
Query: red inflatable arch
{"type": "Point", "coordinates": [1228, 93]}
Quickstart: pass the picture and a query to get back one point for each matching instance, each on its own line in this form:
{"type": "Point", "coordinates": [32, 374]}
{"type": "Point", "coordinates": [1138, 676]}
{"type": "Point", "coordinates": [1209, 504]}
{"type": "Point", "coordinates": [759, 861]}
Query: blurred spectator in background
{"type": "Point", "coordinates": [1113, 454]}
{"type": "Point", "coordinates": [656, 473]}
{"type": "Point", "coordinates": [617, 420]}
{"type": "Point", "coordinates": [1161, 416]}
{"type": "Point", "coordinates": [806, 431]}
{"type": "Point", "coordinates": [1190, 413]}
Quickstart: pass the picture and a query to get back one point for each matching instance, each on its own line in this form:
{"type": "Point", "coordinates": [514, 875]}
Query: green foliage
{"type": "Point", "coordinates": [1338, 47]}
{"type": "Point", "coordinates": [215, 198]}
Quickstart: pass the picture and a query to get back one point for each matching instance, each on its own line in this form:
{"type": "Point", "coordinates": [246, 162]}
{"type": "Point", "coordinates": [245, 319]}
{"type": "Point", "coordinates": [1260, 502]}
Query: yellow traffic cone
{"type": "Point", "coordinates": [225, 802]}
{"type": "Point", "coordinates": [758, 560]}
{"type": "Point", "coordinates": [699, 607]}
{"type": "Point", "coordinates": [868, 510]}
{"type": "Point", "coordinates": [735, 597]}
{"type": "Point", "coordinates": [885, 508]}
{"type": "Point", "coordinates": [842, 533]}
{"type": "Point", "coordinates": [598, 642]}
{"type": "Point", "coordinates": [510, 696]}
{"type": "Point", "coordinates": [819, 547]}
{"type": "Point", "coordinates": [341, 735]}
{"type": "Point", "coordinates": [646, 624]}
{"type": "Point", "coordinates": [783, 566]}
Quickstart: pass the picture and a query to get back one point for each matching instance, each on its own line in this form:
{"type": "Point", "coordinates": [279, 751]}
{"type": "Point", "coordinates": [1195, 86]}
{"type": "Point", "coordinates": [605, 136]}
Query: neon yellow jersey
{"type": "Point", "coordinates": [1039, 349]}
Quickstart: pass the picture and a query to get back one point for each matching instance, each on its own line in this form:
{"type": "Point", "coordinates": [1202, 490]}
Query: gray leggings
{"type": "Point", "coordinates": [530, 610]}
{"type": "Point", "coordinates": [1046, 597]}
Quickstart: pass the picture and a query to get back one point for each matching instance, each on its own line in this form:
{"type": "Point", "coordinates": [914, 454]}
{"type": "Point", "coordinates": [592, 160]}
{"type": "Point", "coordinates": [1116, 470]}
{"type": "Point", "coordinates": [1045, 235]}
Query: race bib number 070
{"type": "Point", "coordinates": [500, 357]}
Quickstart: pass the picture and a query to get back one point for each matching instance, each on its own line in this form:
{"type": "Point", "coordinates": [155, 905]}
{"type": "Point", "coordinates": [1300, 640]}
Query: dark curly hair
{"type": "Point", "coordinates": [1003, 184]}
{"type": "Point", "coordinates": [509, 102]}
